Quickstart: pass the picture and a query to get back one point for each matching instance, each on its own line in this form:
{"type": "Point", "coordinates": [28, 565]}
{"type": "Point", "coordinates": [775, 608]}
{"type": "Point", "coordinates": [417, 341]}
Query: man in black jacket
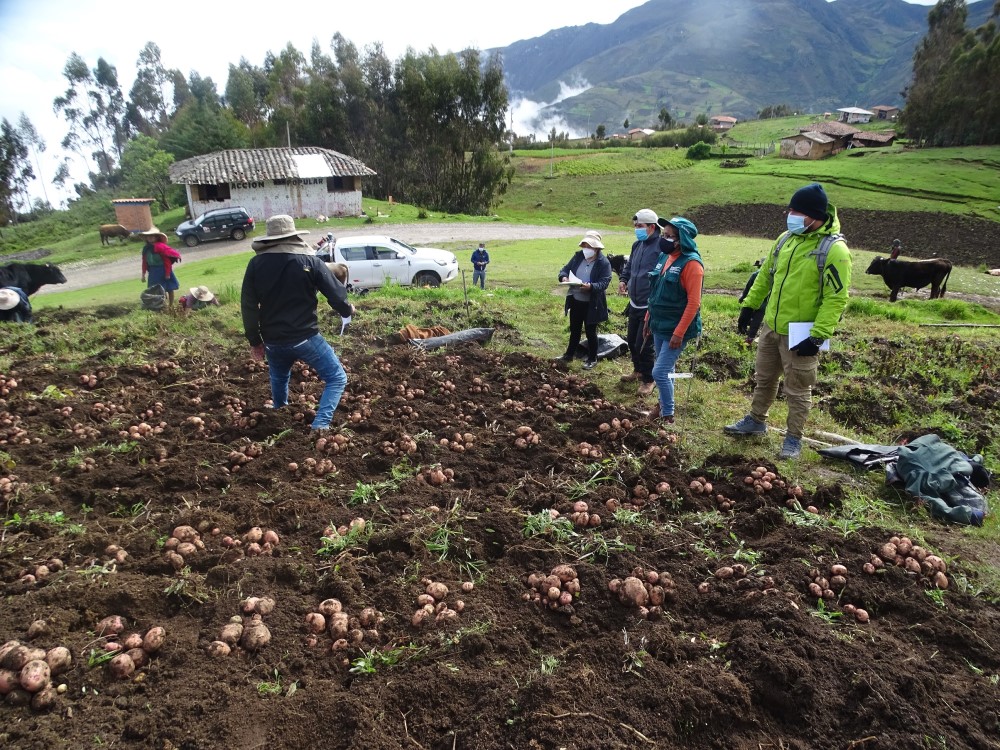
{"type": "Point", "coordinates": [278, 303]}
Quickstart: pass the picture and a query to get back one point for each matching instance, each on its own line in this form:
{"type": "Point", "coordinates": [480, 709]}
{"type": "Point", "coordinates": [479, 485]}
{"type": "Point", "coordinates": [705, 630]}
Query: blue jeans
{"type": "Point", "coordinates": [481, 276]}
{"type": "Point", "coordinates": [319, 355]}
{"type": "Point", "coordinates": [663, 366]}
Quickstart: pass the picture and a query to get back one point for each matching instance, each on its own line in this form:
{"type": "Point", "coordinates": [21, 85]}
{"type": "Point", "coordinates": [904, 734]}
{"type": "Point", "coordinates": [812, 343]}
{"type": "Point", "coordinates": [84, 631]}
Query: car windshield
{"type": "Point", "coordinates": [400, 245]}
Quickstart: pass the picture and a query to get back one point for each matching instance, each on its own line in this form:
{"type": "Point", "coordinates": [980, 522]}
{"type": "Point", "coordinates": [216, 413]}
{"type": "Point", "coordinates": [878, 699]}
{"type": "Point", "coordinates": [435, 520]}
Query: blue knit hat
{"type": "Point", "coordinates": [811, 201]}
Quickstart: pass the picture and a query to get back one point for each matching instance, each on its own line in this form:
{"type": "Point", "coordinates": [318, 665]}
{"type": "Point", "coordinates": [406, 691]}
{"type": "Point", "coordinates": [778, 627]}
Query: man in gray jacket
{"type": "Point", "coordinates": [635, 283]}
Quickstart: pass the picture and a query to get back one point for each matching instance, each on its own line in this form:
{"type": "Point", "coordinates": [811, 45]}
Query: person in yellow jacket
{"type": "Point", "coordinates": [795, 291]}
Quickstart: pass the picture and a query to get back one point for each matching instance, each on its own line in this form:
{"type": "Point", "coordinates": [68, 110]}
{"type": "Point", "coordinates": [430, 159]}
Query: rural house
{"type": "Point", "coordinates": [855, 114]}
{"type": "Point", "coordinates": [638, 134]}
{"type": "Point", "coordinates": [807, 146]}
{"type": "Point", "coordinates": [885, 112]}
{"type": "Point", "coordinates": [301, 181]}
{"type": "Point", "coordinates": [872, 139]}
{"type": "Point", "coordinates": [134, 213]}
{"type": "Point", "coordinates": [839, 131]}
{"type": "Point", "coordinates": [721, 122]}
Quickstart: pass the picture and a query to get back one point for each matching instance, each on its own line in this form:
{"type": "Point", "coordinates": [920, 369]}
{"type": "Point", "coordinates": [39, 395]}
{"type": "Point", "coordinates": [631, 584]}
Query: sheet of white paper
{"type": "Point", "coordinates": [680, 375]}
{"type": "Point", "coordinates": [344, 322]}
{"type": "Point", "coordinates": [573, 279]}
{"type": "Point", "coordinates": [799, 331]}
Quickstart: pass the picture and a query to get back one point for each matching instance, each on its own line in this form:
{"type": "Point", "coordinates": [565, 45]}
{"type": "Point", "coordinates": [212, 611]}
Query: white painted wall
{"type": "Point", "coordinates": [298, 198]}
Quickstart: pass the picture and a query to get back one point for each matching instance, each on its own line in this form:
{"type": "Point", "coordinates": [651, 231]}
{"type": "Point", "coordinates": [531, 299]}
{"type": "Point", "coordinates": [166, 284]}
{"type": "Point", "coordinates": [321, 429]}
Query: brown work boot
{"type": "Point", "coordinates": [646, 388]}
{"type": "Point", "coordinates": [630, 377]}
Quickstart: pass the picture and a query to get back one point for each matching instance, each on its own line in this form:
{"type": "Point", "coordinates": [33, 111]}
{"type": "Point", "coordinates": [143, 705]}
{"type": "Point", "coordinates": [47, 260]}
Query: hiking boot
{"type": "Point", "coordinates": [590, 364]}
{"type": "Point", "coordinates": [791, 448]}
{"type": "Point", "coordinates": [976, 517]}
{"type": "Point", "coordinates": [746, 426]}
{"type": "Point", "coordinates": [667, 419]}
{"type": "Point", "coordinates": [631, 376]}
{"type": "Point", "coordinates": [646, 388]}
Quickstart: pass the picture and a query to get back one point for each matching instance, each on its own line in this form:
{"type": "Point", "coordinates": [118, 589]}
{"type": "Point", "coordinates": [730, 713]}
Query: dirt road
{"type": "Point", "coordinates": [87, 274]}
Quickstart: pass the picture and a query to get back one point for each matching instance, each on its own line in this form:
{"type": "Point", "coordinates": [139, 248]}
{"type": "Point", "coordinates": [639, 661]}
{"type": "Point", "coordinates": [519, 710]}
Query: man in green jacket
{"type": "Point", "coordinates": [795, 291]}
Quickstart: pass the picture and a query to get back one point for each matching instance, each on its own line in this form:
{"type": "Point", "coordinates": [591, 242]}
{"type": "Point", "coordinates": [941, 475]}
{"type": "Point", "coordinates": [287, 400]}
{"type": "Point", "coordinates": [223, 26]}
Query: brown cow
{"type": "Point", "coordinates": [113, 230]}
{"type": "Point", "coordinates": [913, 273]}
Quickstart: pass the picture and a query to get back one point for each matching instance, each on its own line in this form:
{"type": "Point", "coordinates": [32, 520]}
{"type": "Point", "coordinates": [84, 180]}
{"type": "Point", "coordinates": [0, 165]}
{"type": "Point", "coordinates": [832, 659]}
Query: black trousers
{"type": "Point", "coordinates": [577, 322]}
{"type": "Point", "coordinates": [641, 351]}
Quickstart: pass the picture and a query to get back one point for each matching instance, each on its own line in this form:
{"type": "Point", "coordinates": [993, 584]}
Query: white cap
{"type": "Point", "coordinates": [646, 216]}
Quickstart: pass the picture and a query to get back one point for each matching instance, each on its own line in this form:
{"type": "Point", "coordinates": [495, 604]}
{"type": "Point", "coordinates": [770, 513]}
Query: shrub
{"type": "Point", "coordinates": [700, 150]}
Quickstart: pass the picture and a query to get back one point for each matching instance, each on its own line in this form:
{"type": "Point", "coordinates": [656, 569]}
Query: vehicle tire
{"type": "Point", "coordinates": [190, 240]}
{"type": "Point", "coordinates": [238, 234]}
{"type": "Point", "coordinates": [426, 278]}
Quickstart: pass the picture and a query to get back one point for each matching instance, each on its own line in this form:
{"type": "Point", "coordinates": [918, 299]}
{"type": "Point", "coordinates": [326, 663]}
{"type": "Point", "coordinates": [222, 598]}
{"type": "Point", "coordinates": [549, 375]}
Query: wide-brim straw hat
{"type": "Point", "coordinates": [152, 233]}
{"type": "Point", "coordinates": [281, 227]}
{"type": "Point", "coordinates": [202, 293]}
{"type": "Point", "coordinates": [9, 299]}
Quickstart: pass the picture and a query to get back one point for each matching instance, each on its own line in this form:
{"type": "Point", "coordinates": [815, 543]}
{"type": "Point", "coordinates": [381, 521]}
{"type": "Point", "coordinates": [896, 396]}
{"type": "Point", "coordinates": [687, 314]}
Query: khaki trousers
{"type": "Point", "coordinates": [774, 361]}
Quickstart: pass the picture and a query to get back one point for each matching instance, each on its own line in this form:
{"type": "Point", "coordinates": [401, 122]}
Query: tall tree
{"type": "Point", "coordinates": [286, 92]}
{"type": "Point", "coordinates": [15, 172]}
{"type": "Point", "coordinates": [35, 142]}
{"type": "Point", "coordinates": [93, 107]}
{"type": "Point", "coordinates": [246, 96]}
{"type": "Point", "coordinates": [665, 119]}
{"type": "Point", "coordinates": [145, 169]}
{"type": "Point", "coordinates": [148, 97]}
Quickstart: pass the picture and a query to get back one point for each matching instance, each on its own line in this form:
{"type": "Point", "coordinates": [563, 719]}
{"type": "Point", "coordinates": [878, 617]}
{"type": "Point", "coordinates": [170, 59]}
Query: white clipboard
{"type": "Point", "coordinates": [798, 332]}
{"type": "Point", "coordinates": [572, 280]}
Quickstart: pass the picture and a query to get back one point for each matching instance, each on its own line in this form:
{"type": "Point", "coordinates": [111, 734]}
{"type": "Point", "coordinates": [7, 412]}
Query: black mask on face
{"type": "Point", "coordinates": [667, 244]}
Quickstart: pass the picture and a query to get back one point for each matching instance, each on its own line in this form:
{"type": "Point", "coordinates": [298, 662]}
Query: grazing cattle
{"type": "Point", "coordinates": [29, 277]}
{"type": "Point", "coordinates": [113, 230]}
{"type": "Point", "coordinates": [617, 263]}
{"type": "Point", "coordinates": [915, 274]}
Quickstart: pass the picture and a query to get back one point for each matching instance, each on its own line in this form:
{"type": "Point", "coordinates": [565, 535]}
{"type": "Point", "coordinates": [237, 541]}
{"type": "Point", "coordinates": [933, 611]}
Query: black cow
{"type": "Point", "coordinates": [913, 273]}
{"type": "Point", "coordinates": [30, 277]}
{"type": "Point", "coordinates": [617, 263]}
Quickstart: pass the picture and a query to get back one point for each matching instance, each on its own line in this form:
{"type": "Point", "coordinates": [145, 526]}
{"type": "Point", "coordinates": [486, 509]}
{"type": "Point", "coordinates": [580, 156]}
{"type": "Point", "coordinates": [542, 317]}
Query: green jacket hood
{"type": "Point", "coordinates": [686, 231]}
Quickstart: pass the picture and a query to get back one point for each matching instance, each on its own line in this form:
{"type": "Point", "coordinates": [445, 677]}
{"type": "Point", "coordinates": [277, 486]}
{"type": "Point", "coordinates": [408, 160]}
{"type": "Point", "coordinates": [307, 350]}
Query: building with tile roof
{"type": "Point", "coordinates": [301, 181]}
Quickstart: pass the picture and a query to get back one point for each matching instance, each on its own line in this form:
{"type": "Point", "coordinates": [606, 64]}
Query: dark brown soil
{"type": "Point", "coordinates": [747, 663]}
{"type": "Point", "coordinates": [963, 240]}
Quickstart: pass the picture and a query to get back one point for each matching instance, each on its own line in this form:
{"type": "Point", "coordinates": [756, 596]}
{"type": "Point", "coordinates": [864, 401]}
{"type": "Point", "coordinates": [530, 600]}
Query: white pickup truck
{"type": "Point", "coordinates": [372, 260]}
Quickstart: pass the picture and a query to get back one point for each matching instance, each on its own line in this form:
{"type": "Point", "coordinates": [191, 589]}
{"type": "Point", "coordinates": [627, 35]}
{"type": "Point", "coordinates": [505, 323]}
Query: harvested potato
{"type": "Point", "coordinates": [122, 666]}
{"type": "Point", "coordinates": [38, 628]}
{"type": "Point", "coordinates": [8, 681]}
{"type": "Point", "coordinates": [44, 699]}
{"type": "Point", "coordinates": [218, 648]}
{"type": "Point", "coordinates": [231, 633]}
{"type": "Point", "coordinates": [59, 659]}
{"type": "Point", "coordinates": [633, 593]}
{"type": "Point", "coordinates": [153, 640]}
{"type": "Point", "coordinates": [111, 625]}
{"type": "Point", "coordinates": [330, 607]}
{"type": "Point", "coordinates": [139, 657]}
{"type": "Point", "coordinates": [255, 634]}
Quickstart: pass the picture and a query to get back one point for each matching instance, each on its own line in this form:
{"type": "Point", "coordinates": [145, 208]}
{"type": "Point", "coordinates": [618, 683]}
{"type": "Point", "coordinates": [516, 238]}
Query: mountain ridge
{"type": "Point", "coordinates": [724, 57]}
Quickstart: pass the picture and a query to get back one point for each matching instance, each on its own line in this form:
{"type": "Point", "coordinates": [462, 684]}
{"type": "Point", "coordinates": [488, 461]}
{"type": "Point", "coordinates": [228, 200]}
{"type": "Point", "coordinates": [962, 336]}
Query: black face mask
{"type": "Point", "coordinates": [667, 244]}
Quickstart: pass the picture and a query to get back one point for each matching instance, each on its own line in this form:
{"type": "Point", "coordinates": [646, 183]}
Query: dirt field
{"type": "Point", "coordinates": [739, 655]}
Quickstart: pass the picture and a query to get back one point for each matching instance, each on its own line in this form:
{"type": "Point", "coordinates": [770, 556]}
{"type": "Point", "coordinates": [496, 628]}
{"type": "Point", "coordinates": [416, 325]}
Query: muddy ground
{"type": "Point", "coordinates": [751, 660]}
{"type": "Point", "coordinates": [963, 240]}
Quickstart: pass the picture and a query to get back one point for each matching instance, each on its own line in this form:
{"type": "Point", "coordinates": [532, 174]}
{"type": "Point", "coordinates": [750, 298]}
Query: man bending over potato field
{"type": "Point", "coordinates": [278, 302]}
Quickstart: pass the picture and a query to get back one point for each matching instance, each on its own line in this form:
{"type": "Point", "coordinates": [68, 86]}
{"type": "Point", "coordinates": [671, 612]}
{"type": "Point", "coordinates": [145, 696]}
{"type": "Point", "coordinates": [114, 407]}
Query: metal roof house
{"type": "Point", "coordinates": [301, 181]}
{"type": "Point", "coordinates": [855, 114]}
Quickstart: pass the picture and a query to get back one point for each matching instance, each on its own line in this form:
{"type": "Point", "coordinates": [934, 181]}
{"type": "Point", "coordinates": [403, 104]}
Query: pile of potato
{"type": "Point", "coordinates": [89, 380]}
{"type": "Point", "coordinates": [248, 631]}
{"type": "Point", "coordinates": [155, 368]}
{"type": "Point", "coordinates": [9, 485]}
{"type": "Point", "coordinates": [11, 431]}
{"type": "Point", "coordinates": [902, 552]}
{"type": "Point", "coordinates": [459, 442]}
{"type": "Point", "coordinates": [480, 386]}
{"type": "Point", "coordinates": [739, 574]}
{"type": "Point", "coordinates": [525, 437]}
{"type": "Point", "coordinates": [405, 412]}
{"type": "Point", "coordinates": [41, 571]}
{"type": "Point", "coordinates": [436, 476]}
{"type": "Point", "coordinates": [582, 517]}
{"type": "Point", "coordinates": [7, 384]}
{"type": "Point", "coordinates": [646, 590]}
{"type": "Point", "coordinates": [184, 542]}
{"type": "Point", "coordinates": [243, 456]}
{"type": "Point", "coordinates": [26, 673]}
{"type": "Point", "coordinates": [588, 450]}
{"type": "Point", "coordinates": [433, 603]}
{"type": "Point", "coordinates": [405, 445]}
{"type": "Point", "coordinates": [134, 650]}
{"type": "Point", "coordinates": [332, 444]}
{"type": "Point", "coordinates": [701, 486]}
{"type": "Point", "coordinates": [105, 411]}
{"type": "Point", "coordinates": [356, 524]}
{"type": "Point", "coordinates": [659, 454]}
{"type": "Point", "coordinates": [345, 631]}
{"type": "Point", "coordinates": [615, 429]}
{"type": "Point", "coordinates": [557, 590]}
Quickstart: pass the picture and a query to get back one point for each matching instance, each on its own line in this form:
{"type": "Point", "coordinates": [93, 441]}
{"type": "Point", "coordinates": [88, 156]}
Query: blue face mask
{"type": "Point", "coordinates": [796, 224]}
{"type": "Point", "coordinates": [641, 234]}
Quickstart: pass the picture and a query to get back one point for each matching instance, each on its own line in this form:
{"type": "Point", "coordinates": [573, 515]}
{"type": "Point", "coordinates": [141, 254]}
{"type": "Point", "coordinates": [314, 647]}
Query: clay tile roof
{"type": "Point", "coordinates": [830, 128]}
{"type": "Point", "coordinates": [875, 137]}
{"type": "Point", "coordinates": [723, 118]}
{"type": "Point", "coordinates": [818, 137]}
{"type": "Point", "coordinates": [251, 164]}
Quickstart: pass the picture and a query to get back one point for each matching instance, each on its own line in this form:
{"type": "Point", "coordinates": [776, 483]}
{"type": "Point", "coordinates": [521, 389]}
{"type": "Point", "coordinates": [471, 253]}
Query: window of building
{"type": "Point", "coordinates": [212, 192]}
{"type": "Point", "coordinates": [334, 184]}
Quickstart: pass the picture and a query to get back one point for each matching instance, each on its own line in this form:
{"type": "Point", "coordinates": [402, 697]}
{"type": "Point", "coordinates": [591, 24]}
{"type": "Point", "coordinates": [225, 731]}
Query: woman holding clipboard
{"type": "Point", "coordinates": [587, 276]}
